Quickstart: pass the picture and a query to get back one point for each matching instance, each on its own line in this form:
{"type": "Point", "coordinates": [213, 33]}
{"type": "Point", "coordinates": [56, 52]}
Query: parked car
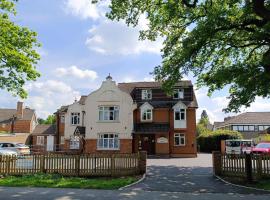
{"type": "Point", "coordinates": [7, 152]}
{"type": "Point", "coordinates": [261, 148]}
{"type": "Point", "coordinates": [238, 146]}
{"type": "Point", "coordinates": [20, 148]}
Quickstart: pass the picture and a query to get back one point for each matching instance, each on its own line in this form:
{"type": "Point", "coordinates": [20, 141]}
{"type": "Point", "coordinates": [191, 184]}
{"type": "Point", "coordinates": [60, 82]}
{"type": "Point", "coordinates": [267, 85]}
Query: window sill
{"type": "Point", "coordinates": [105, 149]}
{"type": "Point", "coordinates": [112, 121]}
{"type": "Point", "coordinates": [179, 145]}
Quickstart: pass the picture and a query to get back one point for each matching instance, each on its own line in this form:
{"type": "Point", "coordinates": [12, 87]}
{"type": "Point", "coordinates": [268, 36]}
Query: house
{"type": "Point", "coordinates": [130, 117]}
{"type": "Point", "coordinates": [249, 124]}
{"type": "Point", "coordinates": [101, 121]}
{"type": "Point", "coordinates": [44, 138]}
{"type": "Point", "coordinates": [20, 122]}
{"type": "Point", "coordinates": [163, 125]}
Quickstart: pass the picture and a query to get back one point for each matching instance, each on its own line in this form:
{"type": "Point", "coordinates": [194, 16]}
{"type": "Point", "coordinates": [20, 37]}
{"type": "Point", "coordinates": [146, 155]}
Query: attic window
{"type": "Point", "coordinates": [146, 94]}
{"type": "Point", "coordinates": [178, 94]}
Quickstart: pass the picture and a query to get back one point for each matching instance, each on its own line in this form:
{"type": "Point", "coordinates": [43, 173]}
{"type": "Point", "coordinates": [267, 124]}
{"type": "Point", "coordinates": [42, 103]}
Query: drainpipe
{"type": "Point", "coordinates": [83, 113]}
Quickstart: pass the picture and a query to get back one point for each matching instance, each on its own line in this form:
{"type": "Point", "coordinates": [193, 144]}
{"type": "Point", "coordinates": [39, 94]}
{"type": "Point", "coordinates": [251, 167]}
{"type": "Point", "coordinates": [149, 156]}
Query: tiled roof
{"type": "Point", "coordinates": [44, 129]}
{"type": "Point", "coordinates": [128, 87]}
{"type": "Point", "coordinates": [6, 115]}
{"type": "Point", "coordinates": [82, 100]}
{"type": "Point", "coordinates": [248, 118]}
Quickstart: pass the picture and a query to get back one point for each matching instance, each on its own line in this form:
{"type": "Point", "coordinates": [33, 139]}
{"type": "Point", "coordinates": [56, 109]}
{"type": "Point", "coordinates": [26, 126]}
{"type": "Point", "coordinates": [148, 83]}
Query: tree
{"type": "Point", "coordinates": [18, 57]}
{"type": "Point", "coordinates": [50, 120]}
{"type": "Point", "coordinates": [222, 43]}
{"type": "Point", "coordinates": [204, 115]}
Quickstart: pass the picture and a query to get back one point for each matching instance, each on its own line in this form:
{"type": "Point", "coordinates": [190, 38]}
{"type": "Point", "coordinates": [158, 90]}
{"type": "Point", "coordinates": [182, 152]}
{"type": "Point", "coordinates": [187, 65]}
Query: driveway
{"type": "Point", "coordinates": [187, 175]}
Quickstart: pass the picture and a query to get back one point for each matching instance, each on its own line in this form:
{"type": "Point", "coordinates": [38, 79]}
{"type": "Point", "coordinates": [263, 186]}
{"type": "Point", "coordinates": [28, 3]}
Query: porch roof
{"type": "Point", "coordinates": [151, 128]}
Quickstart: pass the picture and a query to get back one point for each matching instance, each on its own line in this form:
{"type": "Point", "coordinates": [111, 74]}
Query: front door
{"type": "Point", "coordinates": [148, 144]}
{"type": "Point", "coordinates": [50, 143]}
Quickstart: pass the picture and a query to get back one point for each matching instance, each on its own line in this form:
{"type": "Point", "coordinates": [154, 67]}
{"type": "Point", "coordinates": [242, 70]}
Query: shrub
{"type": "Point", "coordinates": [211, 140]}
{"type": "Point", "coordinates": [262, 138]}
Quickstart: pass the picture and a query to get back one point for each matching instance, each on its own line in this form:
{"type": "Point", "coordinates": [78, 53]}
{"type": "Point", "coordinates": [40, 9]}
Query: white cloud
{"type": "Point", "coordinates": [46, 97]}
{"type": "Point", "coordinates": [83, 9]}
{"type": "Point", "coordinates": [110, 37]}
{"type": "Point", "coordinates": [74, 71]}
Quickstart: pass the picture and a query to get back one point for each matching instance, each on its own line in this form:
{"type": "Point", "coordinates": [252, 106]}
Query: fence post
{"type": "Point", "coordinates": [259, 166]}
{"type": "Point", "coordinates": [112, 165]}
{"type": "Point", "coordinates": [142, 162]}
{"type": "Point", "coordinates": [217, 163]}
{"type": "Point", "coordinates": [248, 162]}
{"type": "Point", "coordinates": [42, 163]}
{"type": "Point", "coordinates": [77, 164]}
{"type": "Point", "coordinates": [8, 159]}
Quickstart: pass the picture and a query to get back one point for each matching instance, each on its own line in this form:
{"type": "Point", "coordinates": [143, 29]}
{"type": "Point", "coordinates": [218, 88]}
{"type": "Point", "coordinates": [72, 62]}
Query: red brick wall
{"type": "Point", "coordinates": [22, 126]}
{"type": "Point", "coordinates": [190, 149]}
{"type": "Point", "coordinates": [6, 128]}
{"type": "Point", "coordinates": [91, 146]}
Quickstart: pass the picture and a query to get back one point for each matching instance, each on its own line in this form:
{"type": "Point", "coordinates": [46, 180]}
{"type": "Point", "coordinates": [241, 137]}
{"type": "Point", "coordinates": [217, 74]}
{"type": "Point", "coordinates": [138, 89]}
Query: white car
{"type": "Point", "coordinates": [7, 152]}
{"type": "Point", "coordinates": [20, 148]}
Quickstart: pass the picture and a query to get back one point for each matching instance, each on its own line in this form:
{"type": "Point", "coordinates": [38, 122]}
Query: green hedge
{"type": "Point", "coordinates": [211, 140]}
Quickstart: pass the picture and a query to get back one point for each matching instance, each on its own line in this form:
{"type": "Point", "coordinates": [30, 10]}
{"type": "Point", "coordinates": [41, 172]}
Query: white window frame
{"type": "Point", "coordinates": [146, 94]}
{"type": "Point", "coordinates": [180, 110]}
{"type": "Point", "coordinates": [180, 136]}
{"type": "Point", "coordinates": [40, 140]}
{"type": "Point", "coordinates": [179, 92]}
{"type": "Point", "coordinates": [73, 116]}
{"type": "Point", "coordinates": [74, 142]}
{"type": "Point", "coordinates": [111, 142]}
{"type": "Point", "coordinates": [145, 112]}
{"type": "Point", "coordinates": [105, 113]}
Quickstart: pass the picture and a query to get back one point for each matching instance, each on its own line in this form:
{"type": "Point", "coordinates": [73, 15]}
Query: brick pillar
{"type": "Point", "coordinates": [216, 156]}
{"type": "Point", "coordinates": [142, 162]}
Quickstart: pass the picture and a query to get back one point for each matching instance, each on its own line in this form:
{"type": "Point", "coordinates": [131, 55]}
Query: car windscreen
{"type": "Point", "coordinates": [233, 143]}
{"type": "Point", "coordinates": [246, 143]}
{"type": "Point", "coordinates": [263, 145]}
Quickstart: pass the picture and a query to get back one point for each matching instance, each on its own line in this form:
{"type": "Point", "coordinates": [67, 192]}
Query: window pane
{"type": "Point", "coordinates": [251, 128]}
{"type": "Point", "coordinates": [176, 141]}
{"type": "Point", "coordinates": [261, 128]}
{"type": "Point", "coordinates": [116, 115]}
{"type": "Point", "coordinates": [177, 115]}
{"type": "Point", "coordinates": [245, 128]}
{"type": "Point", "coordinates": [240, 128]}
{"type": "Point", "coordinates": [235, 128]}
{"type": "Point", "coordinates": [182, 116]}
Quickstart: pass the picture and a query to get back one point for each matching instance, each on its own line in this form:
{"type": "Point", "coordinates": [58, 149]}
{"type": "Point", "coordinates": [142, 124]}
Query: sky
{"type": "Point", "coordinates": [80, 47]}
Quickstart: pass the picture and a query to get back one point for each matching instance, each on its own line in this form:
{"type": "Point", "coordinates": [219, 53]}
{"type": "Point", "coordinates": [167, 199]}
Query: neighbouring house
{"type": "Point", "coordinates": [249, 124]}
{"type": "Point", "coordinates": [44, 138]}
{"type": "Point", "coordinates": [163, 124]}
{"type": "Point", "coordinates": [20, 122]}
{"type": "Point", "coordinates": [130, 117]}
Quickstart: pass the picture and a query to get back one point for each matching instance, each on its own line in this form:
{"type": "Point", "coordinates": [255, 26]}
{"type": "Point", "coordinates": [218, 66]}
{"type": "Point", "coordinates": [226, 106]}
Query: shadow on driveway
{"type": "Point", "coordinates": [187, 180]}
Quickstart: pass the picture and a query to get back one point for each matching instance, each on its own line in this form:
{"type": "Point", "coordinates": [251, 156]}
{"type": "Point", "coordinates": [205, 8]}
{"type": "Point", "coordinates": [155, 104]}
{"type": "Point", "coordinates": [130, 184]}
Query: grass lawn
{"type": "Point", "coordinates": [265, 184]}
{"type": "Point", "coordinates": [58, 181]}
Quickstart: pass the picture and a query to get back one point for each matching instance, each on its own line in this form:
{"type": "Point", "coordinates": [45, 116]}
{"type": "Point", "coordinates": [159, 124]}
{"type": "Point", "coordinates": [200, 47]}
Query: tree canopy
{"type": "Point", "coordinates": [222, 43]}
{"type": "Point", "coordinates": [18, 55]}
{"type": "Point", "coordinates": [50, 120]}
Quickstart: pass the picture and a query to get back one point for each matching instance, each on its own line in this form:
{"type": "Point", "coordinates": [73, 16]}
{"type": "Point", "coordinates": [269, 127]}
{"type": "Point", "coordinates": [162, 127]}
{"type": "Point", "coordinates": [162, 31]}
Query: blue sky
{"type": "Point", "coordinates": [80, 47]}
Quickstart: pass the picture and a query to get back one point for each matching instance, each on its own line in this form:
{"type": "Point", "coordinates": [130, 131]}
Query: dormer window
{"type": "Point", "coordinates": [146, 94]}
{"type": "Point", "coordinates": [147, 115]}
{"type": "Point", "coordinates": [178, 94]}
{"type": "Point", "coordinates": [146, 112]}
{"type": "Point", "coordinates": [75, 118]}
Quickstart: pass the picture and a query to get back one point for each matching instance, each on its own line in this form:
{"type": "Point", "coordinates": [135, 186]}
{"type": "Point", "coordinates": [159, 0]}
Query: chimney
{"type": "Point", "coordinates": [20, 109]}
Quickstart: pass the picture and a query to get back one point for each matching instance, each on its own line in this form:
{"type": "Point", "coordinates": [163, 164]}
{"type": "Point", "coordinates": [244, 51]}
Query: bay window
{"type": "Point", "coordinates": [108, 141]}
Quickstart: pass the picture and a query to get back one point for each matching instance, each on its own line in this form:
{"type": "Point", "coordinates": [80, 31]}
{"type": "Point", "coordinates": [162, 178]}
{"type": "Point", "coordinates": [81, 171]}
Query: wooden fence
{"type": "Point", "coordinates": [246, 166]}
{"type": "Point", "coordinates": [75, 165]}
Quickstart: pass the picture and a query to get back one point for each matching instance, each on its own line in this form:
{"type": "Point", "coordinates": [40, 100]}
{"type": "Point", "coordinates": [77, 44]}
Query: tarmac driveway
{"type": "Point", "coordinates": [187, 175]}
